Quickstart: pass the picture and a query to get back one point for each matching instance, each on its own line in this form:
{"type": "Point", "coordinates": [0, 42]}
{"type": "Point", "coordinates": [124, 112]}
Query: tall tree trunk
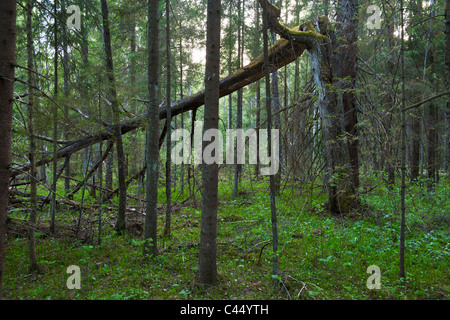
{"type": "Point", "coordinates": [258, 87]}
{"type": "Point", "coordinates": [230, 96]}
{"type": "Point", "coordinates": [100, 177]}
{"type": "Point", "coordinates": [403, 154]}
{"type": "Point", "coordinates": [210, 172]}
{"type": "Point", "coordinates": [337, 180]}
{"type": "Point", "coordinates": [152, 156]}
{"type": "Point", "coordinates": [55, 128]}
{"type": "Point", "coordinates": [182, 114]}
{"type": "Point", "coordinates": [120, 224]}
{"type": "Point", "coordinates": [347, 27]}
{"type": "Point", "coordinates": [66, 94]}
{"type": "Point", "coordinates": [7, 62]}
{"type": "Point", "coordinates": [258, 122]}
{"type": "Point", "coordinates": [273, 210]}
{"type": "Point", "coordinates": [447, 78]}
{"type": "Point", "coordinates": [33, 199]}
{"type": "Point", "coordinates": [275, 98]}
{"type": "Point", "coordinates": [238, 167]}
{"type": "Point", "coordinates": [132, 74]}
{"type": "Point", "coordinates": [169, 126]}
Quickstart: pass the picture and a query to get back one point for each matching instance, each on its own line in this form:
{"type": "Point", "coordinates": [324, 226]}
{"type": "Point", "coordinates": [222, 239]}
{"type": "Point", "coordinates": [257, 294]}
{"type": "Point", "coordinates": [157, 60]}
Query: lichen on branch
{"type": "Point", "coordinates": [304, 33]}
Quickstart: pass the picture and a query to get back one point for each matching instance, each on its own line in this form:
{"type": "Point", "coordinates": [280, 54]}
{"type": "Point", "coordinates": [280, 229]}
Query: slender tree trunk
{"type": "Point", "coordinates": [238, 167]}
{"type": "Point", "coordinates": [133, 78]}
{"type": "Point", "coordinates": [275, 98]}
{"type": "Point", "coordinates": [182, 114]}
{"type": "Point", "coordinates": [447, 78]}
{"type": "Point", "coordinates": [55, 129]}
{"type": "Point", "coordinates": [273, 210]}
{"type": "Point", "coordinates": [100, 178]}
{"type": "Point", "coordinates": [66, 94]}
{"type": "Point", "coordinates": [33, 199]}
{"type": "Point", "coordinates": [230, 96]}
{"type": "Point", "coordinates": [152, 157]}
{"type": "Point", "coordinates": [403, 159]}
{"type": "Point", "coordinates": [415, 146]}
{"type": "Point", "coordinates": [120, 224]}
{"type": "Point", "coordinates": [258, 122]}
{"type": "Point", "coordinates": [7, 62]}
{"type": "Point", "coordinates": [432, 145]}
{"type": "Point", "coordinates": [169, 126]}
{"type": "Point", "coordinates": [258, 88]}
{"type": "Point", "coordinates": [210, 172]}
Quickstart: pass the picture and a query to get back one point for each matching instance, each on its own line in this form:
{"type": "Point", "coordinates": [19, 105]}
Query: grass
{"type": "Point", "coordinates": [321, 256]}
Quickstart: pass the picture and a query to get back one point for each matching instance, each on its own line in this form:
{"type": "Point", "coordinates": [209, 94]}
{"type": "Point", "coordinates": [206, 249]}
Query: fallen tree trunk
{"type": "Point", "coordinates": [281, 53]}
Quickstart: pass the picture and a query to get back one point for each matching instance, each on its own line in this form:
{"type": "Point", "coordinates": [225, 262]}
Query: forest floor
{"type": "Point", "coordinates": [322, 256]}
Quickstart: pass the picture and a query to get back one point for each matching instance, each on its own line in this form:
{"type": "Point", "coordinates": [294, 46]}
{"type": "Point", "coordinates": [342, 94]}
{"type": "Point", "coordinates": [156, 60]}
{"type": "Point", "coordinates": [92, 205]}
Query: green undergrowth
{"type": "Point", "coordinates": [322, 256]}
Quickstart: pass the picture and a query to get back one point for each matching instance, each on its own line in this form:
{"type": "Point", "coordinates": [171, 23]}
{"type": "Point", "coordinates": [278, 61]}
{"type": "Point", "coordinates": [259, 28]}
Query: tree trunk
{"type": "Point", "coordinates": [447, 78]}
{"type": "Point", "coordinates": [403, 155]}
{"type": "Point", "coordinates": [347, 26]}
{"type": "Point", "coordinates": [182, 114]}
{"type": "Point", "coordinates": [237, 166]}
{"type": "Point", "coordinates": [120, 224]}
{"type": "Point", "coordinates": [275, 265]}
{"type": "Point", "coordinates": [7, 62]}
{"type": "Point", "coordinates": [337, 180]}
{"type": "Point", "coordinates": [169, 127]}
{"type": "Point", "coordinates": [415, 146]}
{"type": "Point", "coordinates": [33, 199]}
{"type": "Point", "coordinates": [152, 156]}
{"type": "Point", "coordinates": [55, 129]}
{"type": "Point", "coordinates": [230, 96]}
{"type": "Point", "coordinates": [66, 94]}
{"type": "Point", "coordinates": [432, 144]}
{"type": "Point", "coordinates": [210, 172]}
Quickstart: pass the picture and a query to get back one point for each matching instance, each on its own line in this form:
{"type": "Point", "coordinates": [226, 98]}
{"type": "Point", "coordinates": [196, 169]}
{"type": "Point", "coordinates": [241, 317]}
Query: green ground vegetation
{"type": "Point", "coordinates": [322, 256]}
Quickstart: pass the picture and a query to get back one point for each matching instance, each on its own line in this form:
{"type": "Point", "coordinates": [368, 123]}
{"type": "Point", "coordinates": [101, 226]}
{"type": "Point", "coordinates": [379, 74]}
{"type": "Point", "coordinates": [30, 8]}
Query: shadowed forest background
{"type": "Point", "coordinates": [360, 96]}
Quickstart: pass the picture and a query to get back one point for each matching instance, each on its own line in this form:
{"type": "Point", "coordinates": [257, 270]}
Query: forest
{"type": "Point", "coordinates": [224, 150]}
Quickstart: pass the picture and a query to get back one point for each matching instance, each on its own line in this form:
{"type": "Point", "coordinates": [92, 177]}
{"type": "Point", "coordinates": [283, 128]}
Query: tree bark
{"type": "Point", "coordinates": [447, 78]}
{"type": "Point", "coordinates": [324, 65]}
{"type": "Point", "coordinates": [169, 127]}
{"type": "Point", "coordinates": [33, 174]}
{"type": "Point", "coordinates": [152, 156]}
{"type": "Point", "coordinates": [7, 62]}
{"type": "Point", "coordinates": [66, 94]}
{"type": "Point", "coordinates": [415, 146]}
{"type": "Point", "coordinates": [210, 172]}
{"type": "Point", "coordinates": [237, 166]}
{"type": "Point", "coordinates": [273, 210]}
{"type": "Point", "coordinates": [403, 155]}
{"type": "Point", "coordinates": [120, 224]}
{"type": "Point", "coordinates": [347, 26]}
{"type": "Point", "coordinates": [55, 128]}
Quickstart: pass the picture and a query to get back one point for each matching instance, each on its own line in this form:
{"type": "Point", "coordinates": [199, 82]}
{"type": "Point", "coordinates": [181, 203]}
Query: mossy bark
{"type": "Point", "coordinates": [337, 180]}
